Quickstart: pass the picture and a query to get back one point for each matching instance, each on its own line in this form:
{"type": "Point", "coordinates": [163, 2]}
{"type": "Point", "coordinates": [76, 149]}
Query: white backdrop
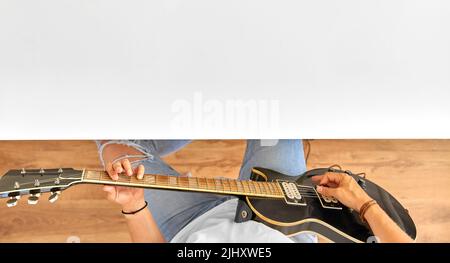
{"type": "Point", "coordinates": [183, 69]}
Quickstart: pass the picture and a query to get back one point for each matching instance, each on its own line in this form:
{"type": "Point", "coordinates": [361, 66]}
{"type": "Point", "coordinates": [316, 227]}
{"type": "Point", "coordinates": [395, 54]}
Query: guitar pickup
{"type": "Point", "coordinates": [329, 202]}
{"type": "Point", "coordinates": [291, 193]}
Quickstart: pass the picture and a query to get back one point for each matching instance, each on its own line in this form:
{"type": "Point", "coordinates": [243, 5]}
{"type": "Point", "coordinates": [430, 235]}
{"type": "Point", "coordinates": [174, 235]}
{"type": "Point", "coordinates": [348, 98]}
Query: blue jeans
{"type": "Point", "coordinates": [172, 210]}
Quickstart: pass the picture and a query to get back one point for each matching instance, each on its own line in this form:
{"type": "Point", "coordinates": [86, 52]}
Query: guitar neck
{"type": "Point", "coordinates": [194, 184]}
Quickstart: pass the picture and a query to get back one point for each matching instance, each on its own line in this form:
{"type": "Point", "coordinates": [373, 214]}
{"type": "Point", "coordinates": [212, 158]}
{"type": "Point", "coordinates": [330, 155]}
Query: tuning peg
{"type": "Point", "coordinates": [54, 196]}
{"type": "Point", "coordinates": [33, 199]}
{"type": "Point", "coordinates": [12, 201]}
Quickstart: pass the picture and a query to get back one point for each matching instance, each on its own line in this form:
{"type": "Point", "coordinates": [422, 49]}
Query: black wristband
{"type": "Point", "coordinates": [134, 212]}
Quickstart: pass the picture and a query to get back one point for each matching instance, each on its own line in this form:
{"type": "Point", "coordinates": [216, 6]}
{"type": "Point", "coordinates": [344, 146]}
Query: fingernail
{"type": "Point", "coordinates": [319, 188]}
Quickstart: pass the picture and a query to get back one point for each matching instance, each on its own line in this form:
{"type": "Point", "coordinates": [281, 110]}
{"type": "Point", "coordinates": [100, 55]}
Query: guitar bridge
{"type": "Point", "coordinates": [291, 193]}
{"type": "Point", "coordinates": [328, 202]}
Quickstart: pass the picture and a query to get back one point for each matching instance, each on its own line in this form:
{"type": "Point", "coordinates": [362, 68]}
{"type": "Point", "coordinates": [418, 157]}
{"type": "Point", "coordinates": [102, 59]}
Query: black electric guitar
{"type": "Point", "coordinates": [286, 203]}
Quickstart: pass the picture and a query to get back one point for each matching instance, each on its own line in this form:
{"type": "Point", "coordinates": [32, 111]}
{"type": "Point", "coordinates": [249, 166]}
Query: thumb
{"type": "Point", "coordinates": [326, 191]}
{"type": "Point", "coordinates": [111, 190]}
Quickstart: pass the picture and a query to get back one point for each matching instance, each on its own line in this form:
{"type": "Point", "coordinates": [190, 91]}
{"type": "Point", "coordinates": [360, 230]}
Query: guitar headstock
{"type": "Point", "coordinates": [33, 182]}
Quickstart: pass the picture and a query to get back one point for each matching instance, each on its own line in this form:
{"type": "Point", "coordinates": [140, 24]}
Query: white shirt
{"type": "Point", "coordinates": [217, 226]}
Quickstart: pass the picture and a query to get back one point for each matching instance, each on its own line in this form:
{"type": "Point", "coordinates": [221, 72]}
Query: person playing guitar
{"type": "Point", "coordinates": [155, 215]}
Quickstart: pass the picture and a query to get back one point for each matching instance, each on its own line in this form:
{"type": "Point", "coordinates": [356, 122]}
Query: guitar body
{"type": "Point", "coordinates": [337, 225]}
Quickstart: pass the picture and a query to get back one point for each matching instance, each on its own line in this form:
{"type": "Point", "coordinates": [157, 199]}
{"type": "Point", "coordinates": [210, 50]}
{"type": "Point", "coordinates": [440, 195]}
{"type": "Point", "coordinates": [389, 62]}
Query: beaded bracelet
{"type": "Point", "coordinates": [364, 209]}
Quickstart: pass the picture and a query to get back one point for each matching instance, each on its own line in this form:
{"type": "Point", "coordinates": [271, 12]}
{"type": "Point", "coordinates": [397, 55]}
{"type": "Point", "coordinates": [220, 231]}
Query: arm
{"type": "Point", "coordinates": [141, 225]}
{"type": "Point", "coordinates": [383, 226]}
{"type": "Point", "coordinates": [348, 192]}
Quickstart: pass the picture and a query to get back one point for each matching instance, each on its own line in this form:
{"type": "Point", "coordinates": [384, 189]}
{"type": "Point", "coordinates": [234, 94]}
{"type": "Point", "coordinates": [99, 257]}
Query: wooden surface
{"type": "Point", "coordinates": [415, 171]}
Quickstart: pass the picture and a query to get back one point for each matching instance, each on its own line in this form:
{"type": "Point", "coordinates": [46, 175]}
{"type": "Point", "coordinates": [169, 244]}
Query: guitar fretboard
{"type": "Point", "coordinates": [211, 185]}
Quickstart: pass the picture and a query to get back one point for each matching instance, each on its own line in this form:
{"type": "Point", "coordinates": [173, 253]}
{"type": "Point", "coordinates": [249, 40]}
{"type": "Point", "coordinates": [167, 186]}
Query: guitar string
{"type": "Point", "coordinates": [205, 184]}
{"type": "Point", "coordinates": [206, 187]}
{"type": "Point", "coordinates": [200, 186]}
{"type": "Point", "coordinates": [302, 192]}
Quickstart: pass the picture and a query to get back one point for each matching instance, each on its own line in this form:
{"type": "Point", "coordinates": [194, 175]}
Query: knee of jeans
{"type": "Point", "coordinates": [166, 147]}
{"type": "Point", "coordinates": [284, 156]}
{"type": "Point", "coordinates": [286, 167]}
{"type": "Point", "coordinates": [136, 144]}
